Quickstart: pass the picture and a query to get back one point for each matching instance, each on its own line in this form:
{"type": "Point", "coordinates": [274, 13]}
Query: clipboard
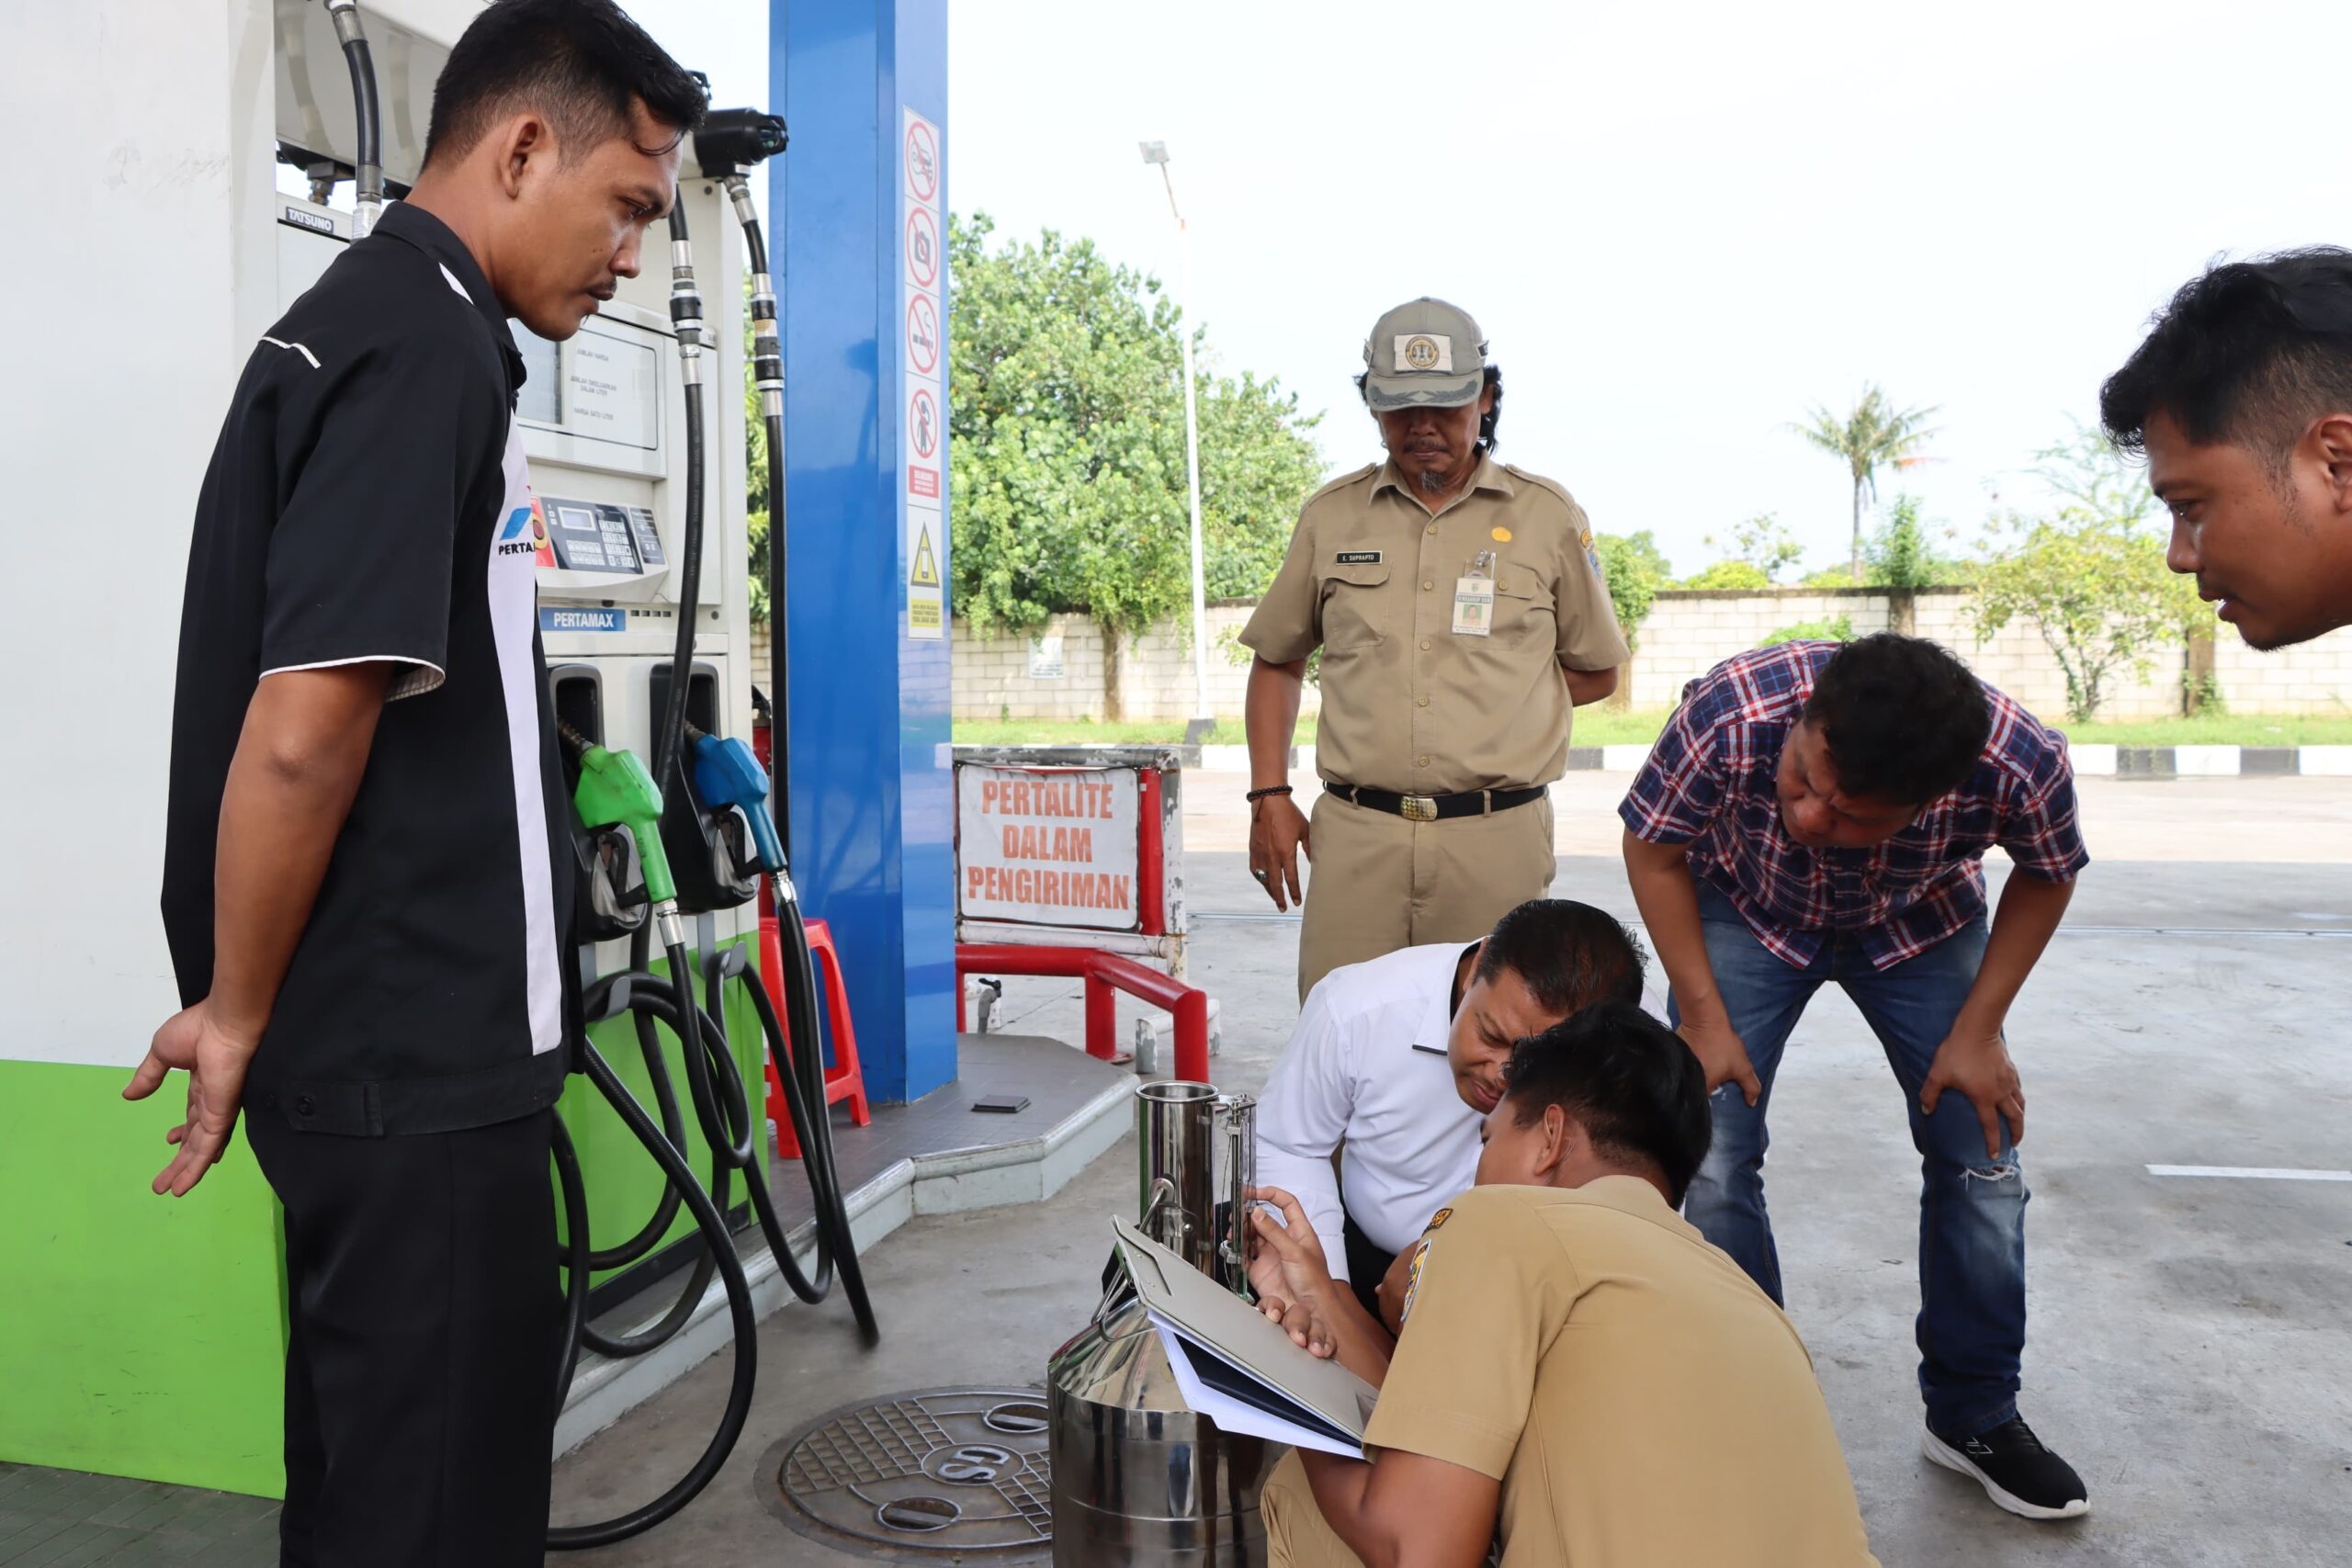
{"type": "Point", "coordinates": [1232, 1358]}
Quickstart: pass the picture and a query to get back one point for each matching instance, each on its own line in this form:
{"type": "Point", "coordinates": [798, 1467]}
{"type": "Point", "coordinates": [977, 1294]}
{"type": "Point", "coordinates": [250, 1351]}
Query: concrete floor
{"type": "Point", "coordinates": [2191, 1344]}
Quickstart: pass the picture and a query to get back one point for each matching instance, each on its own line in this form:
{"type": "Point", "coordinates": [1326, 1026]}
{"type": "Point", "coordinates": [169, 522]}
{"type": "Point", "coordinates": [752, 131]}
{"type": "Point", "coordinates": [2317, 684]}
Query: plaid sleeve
{"type": "Point", "coordinates": [1679, 788]}
{"type": "Point", "coordinates": [2039, 829]}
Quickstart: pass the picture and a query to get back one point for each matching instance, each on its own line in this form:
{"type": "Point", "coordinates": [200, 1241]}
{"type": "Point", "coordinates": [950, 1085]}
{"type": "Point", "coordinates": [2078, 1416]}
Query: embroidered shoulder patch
{"type": "Point", "coordinates": [1413, 1274]}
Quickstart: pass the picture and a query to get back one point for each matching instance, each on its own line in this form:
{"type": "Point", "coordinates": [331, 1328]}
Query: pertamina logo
{"type": "Point", "coordinates": [519, 536]}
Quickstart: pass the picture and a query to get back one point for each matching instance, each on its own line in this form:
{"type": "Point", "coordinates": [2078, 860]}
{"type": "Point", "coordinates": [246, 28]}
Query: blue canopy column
{"type": "Point", "coordinates": [862, 199]}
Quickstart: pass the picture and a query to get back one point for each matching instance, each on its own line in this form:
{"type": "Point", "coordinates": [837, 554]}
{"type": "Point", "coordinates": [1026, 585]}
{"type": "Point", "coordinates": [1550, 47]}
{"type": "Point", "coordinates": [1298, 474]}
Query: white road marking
{"type": "Point", "coordinates": [2250, 1172]}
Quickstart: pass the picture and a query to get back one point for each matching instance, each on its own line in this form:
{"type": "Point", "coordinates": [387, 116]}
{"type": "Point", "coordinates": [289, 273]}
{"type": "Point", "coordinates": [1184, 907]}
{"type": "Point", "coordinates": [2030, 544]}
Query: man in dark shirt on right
{"type": "Point", "coordinates": [2242, 398]}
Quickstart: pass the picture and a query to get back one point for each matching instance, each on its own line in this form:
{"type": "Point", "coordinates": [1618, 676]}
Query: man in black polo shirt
{"type": "Point", "coordinates": [364, 887]}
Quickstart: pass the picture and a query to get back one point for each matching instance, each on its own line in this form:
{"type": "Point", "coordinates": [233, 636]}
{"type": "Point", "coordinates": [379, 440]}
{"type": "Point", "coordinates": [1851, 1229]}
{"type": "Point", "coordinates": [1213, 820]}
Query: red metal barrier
{"type": "Point", "coordinates": [1104, 973]}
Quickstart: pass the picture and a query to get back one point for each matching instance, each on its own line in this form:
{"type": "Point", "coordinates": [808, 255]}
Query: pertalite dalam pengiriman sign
{"type": "Point", "coordinates": [1069, 848]}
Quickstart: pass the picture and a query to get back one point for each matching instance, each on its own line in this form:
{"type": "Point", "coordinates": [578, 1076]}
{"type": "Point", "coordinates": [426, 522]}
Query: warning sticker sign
{"type": "Point", "coordinates": [922, 161]}
{"type": "Point", "coordinates": [922, 335]}
{"type": "Point", "coordinates": [923, 422]}
{"type": "Point", "coordinates": [925, 571]}
{"type": "Point", "coordinates": [921, 366]}
{"type": "Point", "coordinates": [922, 247]}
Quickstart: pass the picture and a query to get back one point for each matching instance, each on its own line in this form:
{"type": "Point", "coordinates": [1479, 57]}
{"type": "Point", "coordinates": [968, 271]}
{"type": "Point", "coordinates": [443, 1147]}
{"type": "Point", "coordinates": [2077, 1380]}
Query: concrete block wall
{"type": "Point", "coordinates": [1156, 678]}
{"type": "Point", "coordinates": [1688, 632]}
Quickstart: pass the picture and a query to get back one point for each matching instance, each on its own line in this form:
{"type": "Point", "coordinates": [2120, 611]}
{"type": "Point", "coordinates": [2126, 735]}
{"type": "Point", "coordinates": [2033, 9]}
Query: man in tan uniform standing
{"type": "Point", "coordinates": [1461, 614]}
{"type": "Point", "coordinates": [1579, 1374]}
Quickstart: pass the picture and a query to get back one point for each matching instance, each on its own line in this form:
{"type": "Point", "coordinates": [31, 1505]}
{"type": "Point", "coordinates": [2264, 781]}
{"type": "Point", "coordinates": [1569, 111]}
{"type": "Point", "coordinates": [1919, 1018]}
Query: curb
{"type": "Point", "coordinates": [2091, 760]}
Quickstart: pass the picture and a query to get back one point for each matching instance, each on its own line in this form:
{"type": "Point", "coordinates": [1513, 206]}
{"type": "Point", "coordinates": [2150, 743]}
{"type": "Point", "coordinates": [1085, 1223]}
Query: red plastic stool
{"type": "Point", "coordinates": [844, 1079]}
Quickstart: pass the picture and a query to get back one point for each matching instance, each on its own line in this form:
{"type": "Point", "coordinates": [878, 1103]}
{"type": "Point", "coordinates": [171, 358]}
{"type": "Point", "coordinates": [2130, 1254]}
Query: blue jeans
{"type": "Point", "coordinates": [1971, 1327]}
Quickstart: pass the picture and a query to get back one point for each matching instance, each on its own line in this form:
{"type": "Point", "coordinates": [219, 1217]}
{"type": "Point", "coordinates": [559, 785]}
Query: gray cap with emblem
{"type": "Point", "coordinates": [1425, 352]}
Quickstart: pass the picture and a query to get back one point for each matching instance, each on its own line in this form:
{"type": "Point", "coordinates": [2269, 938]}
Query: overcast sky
{"type": "Point", "coordinates": [1681, 227]}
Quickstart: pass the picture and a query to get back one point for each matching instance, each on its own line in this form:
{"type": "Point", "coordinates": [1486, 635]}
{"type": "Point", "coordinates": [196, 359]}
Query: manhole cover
{"type": "Point", "coordinates": [933, 1475]}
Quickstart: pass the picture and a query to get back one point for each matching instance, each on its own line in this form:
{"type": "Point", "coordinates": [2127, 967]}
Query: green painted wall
{"type": "Point", "coordinates": [139, 1336]}
{"type": "Point", "coordinates": [144, 1336]}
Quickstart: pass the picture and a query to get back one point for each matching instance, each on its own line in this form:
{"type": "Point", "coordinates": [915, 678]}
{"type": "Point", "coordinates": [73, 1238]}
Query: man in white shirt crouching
{"type": "Point", "coordinates": [1395, 1062]}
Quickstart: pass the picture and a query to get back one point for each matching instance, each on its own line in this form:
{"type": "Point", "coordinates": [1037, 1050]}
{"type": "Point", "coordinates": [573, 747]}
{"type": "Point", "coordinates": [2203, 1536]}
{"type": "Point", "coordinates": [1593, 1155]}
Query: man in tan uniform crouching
{"type": "Point", "coordinates": [1580, 1374]}
{"type": "Point", "coordinates": [1462, 614]}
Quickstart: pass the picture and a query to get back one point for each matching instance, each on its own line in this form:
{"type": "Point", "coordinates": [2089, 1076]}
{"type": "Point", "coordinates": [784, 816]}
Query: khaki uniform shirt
{"type": "Point", "coordinates": [1410, 705]}
{"type": "Point", "coordinates": [1640, 1400]}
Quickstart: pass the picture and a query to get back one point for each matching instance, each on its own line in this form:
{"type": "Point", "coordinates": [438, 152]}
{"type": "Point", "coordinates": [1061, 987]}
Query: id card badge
{"type": "Point", "coordinates": [1473, 598]}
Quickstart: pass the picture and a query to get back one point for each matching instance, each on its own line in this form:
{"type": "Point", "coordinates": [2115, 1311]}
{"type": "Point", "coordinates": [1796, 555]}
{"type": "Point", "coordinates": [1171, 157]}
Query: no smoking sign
{"type": "Point", "coordinates": [922, 335]}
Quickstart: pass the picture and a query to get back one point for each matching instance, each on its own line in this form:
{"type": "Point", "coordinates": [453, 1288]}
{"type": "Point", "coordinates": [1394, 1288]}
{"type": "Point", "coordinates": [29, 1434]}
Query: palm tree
{"type": "Point", "coordinates": [1873, 436]}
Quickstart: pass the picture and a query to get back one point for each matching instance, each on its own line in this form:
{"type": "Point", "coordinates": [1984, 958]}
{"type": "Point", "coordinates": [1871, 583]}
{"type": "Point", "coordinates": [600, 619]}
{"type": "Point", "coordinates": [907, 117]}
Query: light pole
{"type": "Point", "coordinates": [1204, 719]}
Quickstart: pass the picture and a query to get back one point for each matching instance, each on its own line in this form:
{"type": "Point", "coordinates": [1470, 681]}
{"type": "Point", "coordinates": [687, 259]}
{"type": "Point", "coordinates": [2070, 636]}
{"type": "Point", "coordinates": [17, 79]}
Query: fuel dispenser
{"type": "Point", "coordinates": [644, 617]}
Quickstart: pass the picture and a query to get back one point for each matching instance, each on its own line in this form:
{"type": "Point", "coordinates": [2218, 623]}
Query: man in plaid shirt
{"type": "Point", "coordinates": [1818, 813]}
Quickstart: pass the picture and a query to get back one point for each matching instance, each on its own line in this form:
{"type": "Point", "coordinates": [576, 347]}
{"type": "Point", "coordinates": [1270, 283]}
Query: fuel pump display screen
{"type": "Point", "coordinates": [600, 537]}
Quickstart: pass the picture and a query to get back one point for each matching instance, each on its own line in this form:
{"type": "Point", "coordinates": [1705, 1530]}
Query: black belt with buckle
{"type": "Point", "coordinates": [1435, 807]}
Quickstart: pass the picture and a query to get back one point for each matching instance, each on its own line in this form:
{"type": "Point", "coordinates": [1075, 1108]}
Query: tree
{"type": "Point", "coordinates": [2092, 578]}
{"type": "Point", "coordinates": [1634, 571]}
{"type": "Point", "coordinates": [1765, 543]}
{"type": "Point", "coordinates": [1875, 435]}
{"type": "Point", "coordinates": [1900, 559]}
{"type": "Point", "coordinates": [1066, 446]}
{"type": "Point", "coordinates": [755, 493]}
{"type": "Point", "coordinates": [1830, 628]}
{"type": "Point", "coordinates": [2086, 471]}
{"type": "Point", "coordinates": [1743, 576]}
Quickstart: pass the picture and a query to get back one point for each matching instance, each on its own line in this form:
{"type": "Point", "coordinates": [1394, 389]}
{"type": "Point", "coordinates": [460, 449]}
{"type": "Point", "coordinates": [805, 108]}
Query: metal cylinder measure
{"type": "Point", "coordinates": [1138, 1480]}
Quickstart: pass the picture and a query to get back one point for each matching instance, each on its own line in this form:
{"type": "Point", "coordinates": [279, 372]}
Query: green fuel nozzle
{"type": "Point", "coordinates": [615, 789]}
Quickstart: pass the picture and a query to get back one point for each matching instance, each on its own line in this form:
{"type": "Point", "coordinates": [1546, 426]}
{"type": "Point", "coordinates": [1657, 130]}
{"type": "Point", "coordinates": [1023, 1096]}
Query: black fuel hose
{"type": "Point", "coordinates": [366, 118]}
{"type": "Point", "coordinates": [712, 1222]}
{"type": "Point", "coordinates": [799, 978]}
{"type": "Point", "coordinates": [767, 377]}
{"type": "Point", "coordinates": [686, 320]}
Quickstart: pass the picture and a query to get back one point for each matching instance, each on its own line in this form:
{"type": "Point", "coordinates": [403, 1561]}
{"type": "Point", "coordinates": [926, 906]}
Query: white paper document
{"type": "Point", "coordinates": [1237, 1368]}
{"type": "Point", "coordinates": [1231, 1415]}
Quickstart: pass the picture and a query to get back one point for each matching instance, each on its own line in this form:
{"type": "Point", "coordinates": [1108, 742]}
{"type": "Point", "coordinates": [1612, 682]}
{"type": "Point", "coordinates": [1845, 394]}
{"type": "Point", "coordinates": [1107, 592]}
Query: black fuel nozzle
{"type": "Point", "coordinates": [730, 141]}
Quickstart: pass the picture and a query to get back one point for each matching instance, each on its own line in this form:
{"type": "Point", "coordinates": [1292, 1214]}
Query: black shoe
{"type": "Point", "coordinates": [2015, 1470]}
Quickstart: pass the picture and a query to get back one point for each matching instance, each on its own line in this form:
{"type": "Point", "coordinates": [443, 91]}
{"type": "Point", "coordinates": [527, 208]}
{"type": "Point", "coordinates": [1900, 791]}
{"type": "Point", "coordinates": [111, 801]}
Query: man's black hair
{"type": "Point", "coordinates": [2249, 354]}
{"type": "Point", "coordinates": [1905, 721]}
{"type": "Point", "coordinates": [579, 63]}
{"type": "Point", "coordinates": [1570, 954]}
{"type": "Point", "coordinates": [1629, 1081]}
{"type": "Point", "coordinates": [1486, 421]}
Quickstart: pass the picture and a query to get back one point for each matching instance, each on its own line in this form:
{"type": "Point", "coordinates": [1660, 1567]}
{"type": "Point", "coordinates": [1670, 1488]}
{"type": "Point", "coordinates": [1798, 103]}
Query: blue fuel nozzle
{"type": "Point", "coordinates": [728, 773]}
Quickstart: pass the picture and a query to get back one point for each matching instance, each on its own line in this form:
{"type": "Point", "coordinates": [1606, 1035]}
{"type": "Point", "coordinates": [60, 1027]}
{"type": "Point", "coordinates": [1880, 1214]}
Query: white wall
{"type": "Point", "coordinates": [129, 241]}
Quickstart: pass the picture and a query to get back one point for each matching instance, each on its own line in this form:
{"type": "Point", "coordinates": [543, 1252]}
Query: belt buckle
{"type": "Point", "coordinates": [1419, 808]}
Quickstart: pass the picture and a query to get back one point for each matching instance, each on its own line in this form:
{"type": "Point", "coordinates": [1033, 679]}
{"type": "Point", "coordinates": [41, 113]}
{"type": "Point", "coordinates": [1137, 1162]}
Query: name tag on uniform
{"type": "Point", "coordinates": [1473, 607]}
{"type": "Point", "coordinates": [1358, 558]}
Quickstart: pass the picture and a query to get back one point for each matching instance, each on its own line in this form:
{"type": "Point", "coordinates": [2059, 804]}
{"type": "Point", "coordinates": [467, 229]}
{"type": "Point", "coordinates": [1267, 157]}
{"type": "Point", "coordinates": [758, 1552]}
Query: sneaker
{"type": "Point", "coordinates": [2015, 1470]}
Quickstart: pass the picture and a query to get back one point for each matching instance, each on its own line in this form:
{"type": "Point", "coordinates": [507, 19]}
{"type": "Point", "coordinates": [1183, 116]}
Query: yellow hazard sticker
{"type": "Point", "coordinates": [1501, 535]}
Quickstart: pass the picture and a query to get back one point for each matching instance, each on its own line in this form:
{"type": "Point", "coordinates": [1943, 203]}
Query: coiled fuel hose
{"type": "Point", "coordinates": [723, 1109]}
